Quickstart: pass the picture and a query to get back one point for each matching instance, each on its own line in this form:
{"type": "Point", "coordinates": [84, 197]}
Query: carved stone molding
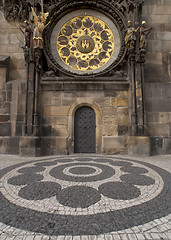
{"type": "Point", "coordinates": [19, 9]}
{"type": "Point", "coordinates": [15, 10]}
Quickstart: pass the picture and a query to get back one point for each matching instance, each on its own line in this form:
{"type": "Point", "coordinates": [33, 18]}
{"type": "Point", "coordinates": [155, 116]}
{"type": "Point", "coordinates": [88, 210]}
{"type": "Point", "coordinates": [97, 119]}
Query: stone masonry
{"type": "Point", "coordinates": [158, 75]}
{"type": "Point", "coordinates": [111, 103]}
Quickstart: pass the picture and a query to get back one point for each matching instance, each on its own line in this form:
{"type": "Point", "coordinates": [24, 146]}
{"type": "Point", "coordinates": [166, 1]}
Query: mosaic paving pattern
{"type": "Point", "coordinates": [83, 195]}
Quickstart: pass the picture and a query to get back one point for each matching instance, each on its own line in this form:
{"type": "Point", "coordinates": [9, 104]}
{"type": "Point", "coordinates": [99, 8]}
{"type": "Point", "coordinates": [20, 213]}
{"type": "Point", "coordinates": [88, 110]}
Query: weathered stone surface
{"type": "Point", "coordinates": [60, 130]}
{"type": "Point", "coordinates": [9, 145]}
{"type": "Point", "coordinates": [29, 146]}
{"type": "Point", "coordinates": [59, 100]}
{"type": "Point", "coordinates": [139, 146]}
{"type": "Point", "coordinates": [120, 102]}
{"type": "Point", "coordinates": [5, 129]}
{"type": "Point", "coordinates": [158, 129]}
{"type": "Point", "coordinates": [112, 145]}
{"type": "Point", "coordinates": [109, 111]}
{"type": "Point", "coordinates": [56, 110]}
{"type": "Point", "coordinates": [4, 118]}
{"type": "Point", "coordinates": [122, 130]}
{"type": "Point", "coordinates": [161, 10]}
{"type": "Point", "coordinates": [53, 145]}
{"type": "Point", "coordinates": [112, 120]}
{"type": "Point", "coordinates": [109, 130]}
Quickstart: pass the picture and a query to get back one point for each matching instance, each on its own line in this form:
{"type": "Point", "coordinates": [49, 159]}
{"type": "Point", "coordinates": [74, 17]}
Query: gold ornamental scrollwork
{"type": "Point", "coordinates": [85, 43]}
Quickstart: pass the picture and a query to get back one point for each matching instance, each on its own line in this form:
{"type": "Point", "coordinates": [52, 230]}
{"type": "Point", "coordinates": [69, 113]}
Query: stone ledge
{"type": "Point", "coordinates": [84, 85]}
{"type": "Point", "coordinates": [29, 146]}
{"type": "Point", "coordinates": [139, 146]}
{"type": "Point", "coordinates": [113, 145]}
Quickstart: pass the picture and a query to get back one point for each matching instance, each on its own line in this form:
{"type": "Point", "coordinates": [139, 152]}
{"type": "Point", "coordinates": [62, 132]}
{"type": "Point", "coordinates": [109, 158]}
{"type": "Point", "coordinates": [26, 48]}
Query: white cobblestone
{"type": "Point", "coordinates": [45, 237]}
{"type": "Point", "coordinates": [168, 235]}
{"type": "Point", "coordinates": [92, 237]}
{"type": "Point", "coordinates": [162, 235]}
{"type": "Point", "coordinates": [10, 238]}
{"type": "Point", "coordinates": [116, 237]}
{"type": "Point", "coordinates": [157, 229]}
{"type": "Point", "coordinates": [155, 236]}
{"type": "Point", "coordinates": [124, 236]}
{"type": "Point", "coordinates": [132, 236]}
{"type": "Point", "coordinates": [76, 237]}
{"type": "Point", "coordinates": [31, 237]}
{"type": "Point", "coordinates": [140, 236]}
{"type": "Point", "coordinates": [108, 237]}
{"type": "Point", "coordinates": [83, 238]}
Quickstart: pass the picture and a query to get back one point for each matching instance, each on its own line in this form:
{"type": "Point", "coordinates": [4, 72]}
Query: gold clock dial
{"type": "Point", "coordinates": [85, 43]}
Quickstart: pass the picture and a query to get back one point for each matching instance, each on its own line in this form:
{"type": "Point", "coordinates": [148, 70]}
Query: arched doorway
{"type": "Point", "coordinates": [85, 130]}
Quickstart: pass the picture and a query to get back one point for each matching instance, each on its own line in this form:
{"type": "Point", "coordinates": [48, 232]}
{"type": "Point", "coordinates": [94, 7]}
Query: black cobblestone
{"type": "Point", "coordinates": [119, 190]}
{"type": "Point", "coordinates": [136, 170]}
{"type": "Point", "coordinates": [78, 196]}
{"type": "Point", "coordinates": [25, 179]}
{"type": "Point", "coordinates": [28, 170]}
{"type": "Point", "coordinates": [39, 190]}
{"type": "Point", "coordinates": [82, 170]}
{"type": "Point", "coordinates": [107, 171]}
{"type": "Point", "coordinates": [137, 179]}
{"type": "Point", "coordinates": [93, 224]}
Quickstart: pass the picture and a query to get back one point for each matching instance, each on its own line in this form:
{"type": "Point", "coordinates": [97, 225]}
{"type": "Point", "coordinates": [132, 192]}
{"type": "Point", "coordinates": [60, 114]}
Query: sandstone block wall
{"type": "Point", "coordinates": [56, 117]}
{"type": "Point", "coordinates": [12, 87]}
{"type": "Point", "coordinates": [112, 119]}
{"type": "Point", "coordinates": [157, 14]}
{"type": "Point", "coordinates": [11, 42]}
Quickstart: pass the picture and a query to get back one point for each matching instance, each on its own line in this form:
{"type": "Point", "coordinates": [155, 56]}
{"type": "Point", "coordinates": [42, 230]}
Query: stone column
{"type": "Point", "coordinates": [38, 67]}
{"type": "Point", "coordinates": [30, 141]}
{"type": "Point", "coordinates": [138, 143]}
{"type": "Point", "coordinates": [133, 127]}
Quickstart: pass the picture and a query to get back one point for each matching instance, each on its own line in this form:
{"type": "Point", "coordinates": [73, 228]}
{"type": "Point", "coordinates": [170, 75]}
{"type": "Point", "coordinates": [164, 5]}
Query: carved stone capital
{"type": "Point", "coordinates": [38, 57]}
{"type": "Point", "coordinates": [15, 10]}
{"type": "Point", "coordinates": [131, 56]}
{"type": "Point", "coordinates": [26, 52]}
{"type": "Point", "coordinates": [141, 56]}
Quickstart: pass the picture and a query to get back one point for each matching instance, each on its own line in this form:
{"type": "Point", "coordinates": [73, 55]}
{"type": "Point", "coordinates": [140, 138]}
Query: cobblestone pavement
{"type": "Point", "coordinates": [85, 197]}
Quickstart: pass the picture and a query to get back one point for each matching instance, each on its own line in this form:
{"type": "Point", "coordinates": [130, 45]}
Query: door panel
{"type": "Point", "coordinates": [84, 130]}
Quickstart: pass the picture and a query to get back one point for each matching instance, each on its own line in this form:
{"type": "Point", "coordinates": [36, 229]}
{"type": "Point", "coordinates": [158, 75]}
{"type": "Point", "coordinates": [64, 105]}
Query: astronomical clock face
{"type": "Point", "coordinates": [85, 42]}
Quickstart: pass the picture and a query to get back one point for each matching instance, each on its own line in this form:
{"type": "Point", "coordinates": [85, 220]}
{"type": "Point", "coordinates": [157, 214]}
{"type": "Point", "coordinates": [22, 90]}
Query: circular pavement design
{"type": "Point", "coordinates": [83, 195]}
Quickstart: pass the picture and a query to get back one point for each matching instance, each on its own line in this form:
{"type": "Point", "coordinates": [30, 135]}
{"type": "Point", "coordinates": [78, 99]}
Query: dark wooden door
{"type": "Point", "coordinates": [84, 130]}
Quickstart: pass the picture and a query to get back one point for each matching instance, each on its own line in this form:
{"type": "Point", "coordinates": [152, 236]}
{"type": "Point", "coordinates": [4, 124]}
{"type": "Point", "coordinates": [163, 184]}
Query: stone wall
{"type": "Point", "coordinates": [57, 119]}
{"type": "Point", "coordinates": [11, 42]}
{"type": "Point", "coordinates": [158, 74]}
{"type": "Point", "coordinates": [57, 106]}
{"type": "Point", "coordinates": [12, 86]}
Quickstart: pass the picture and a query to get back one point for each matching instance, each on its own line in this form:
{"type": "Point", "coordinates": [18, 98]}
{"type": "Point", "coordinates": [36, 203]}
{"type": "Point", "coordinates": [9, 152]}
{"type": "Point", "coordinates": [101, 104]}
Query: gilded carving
{"type": "Point", "coordinates": [26, 30]}
{"type": "Point", "coordinates": [39, 26]}
{"type": "Point", "coordinates": [85, 43]}
{"type": "Point", "coordinates": [64, 7]}
{"type": "Point", "coordinates": [130, 36]}
{"type": "Point", "coordinates": [143, 35]}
